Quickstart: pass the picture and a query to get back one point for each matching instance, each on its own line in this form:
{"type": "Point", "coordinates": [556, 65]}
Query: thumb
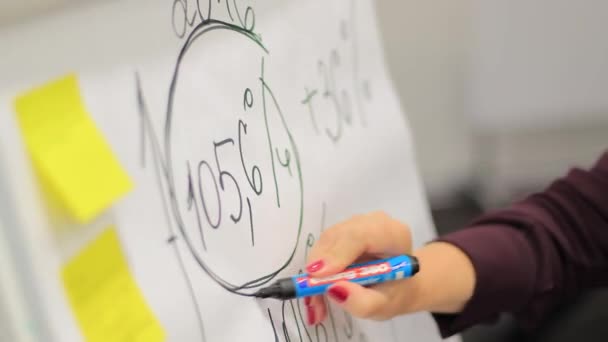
{"type": "Point", "coordinates": [373, 234]}
{"type": "Point", "coordinates": [359, 301]}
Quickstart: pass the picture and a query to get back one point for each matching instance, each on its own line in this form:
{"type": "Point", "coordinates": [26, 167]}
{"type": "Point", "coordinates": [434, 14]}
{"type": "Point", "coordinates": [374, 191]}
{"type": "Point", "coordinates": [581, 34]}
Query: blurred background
{"type": "Point", "coordinates": [502, 97]}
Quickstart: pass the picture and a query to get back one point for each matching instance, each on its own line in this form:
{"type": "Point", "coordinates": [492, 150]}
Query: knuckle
{"type": "Point", "coordinates": [325, 246]}
{"type": "Point", "coordinates": [326, 239]}
{"type": "Point", "coordinates": [366, 311]}
{"type": "Point", "coordinates": [330, 234]}
{"type": "Point", "coordinates": [406, 237]}
{"type": "Point", "coordinates": [357, 217]}
{"type": "Point", "coordinates": [380, 215]}
{"type": "Point", "coordinates": [405, 233]}
{"type": "Point", "coordinates": [360, 233]}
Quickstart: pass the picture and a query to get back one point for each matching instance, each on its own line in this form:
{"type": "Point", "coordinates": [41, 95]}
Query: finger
{"type": "Point", "coordinates": [316, 309]}
{"type": "Point", "coordinates": [341, 245]}
{"type": "Point", "coordinates": [321, 308]}
{"type": "Point", "coordinates": [359, 301]}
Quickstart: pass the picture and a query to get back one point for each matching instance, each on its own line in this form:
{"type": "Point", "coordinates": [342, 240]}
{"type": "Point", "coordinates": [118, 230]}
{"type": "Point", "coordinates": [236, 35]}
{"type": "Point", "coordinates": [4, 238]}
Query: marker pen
{"type": "Point", "coordinates": [368, 273]}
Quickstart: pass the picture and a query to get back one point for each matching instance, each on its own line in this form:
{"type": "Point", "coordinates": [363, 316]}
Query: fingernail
{"type": "Point", "coordinates": [307, 301]}
{"type": "Point", "coordinates": [315, 266]}
{"type": "Point", "coordinates": [310, 313]}
{"type": "Point", "coordinates": [338, 293]}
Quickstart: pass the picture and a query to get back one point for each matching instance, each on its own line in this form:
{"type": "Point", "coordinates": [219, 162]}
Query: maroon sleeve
{"type": "Point", "coordinates": [538, 252]}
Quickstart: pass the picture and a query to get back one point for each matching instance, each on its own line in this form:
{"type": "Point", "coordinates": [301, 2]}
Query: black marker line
{"type": "Point", "coordinates": [182, 33]}
{"type": "Point", "coordinates": [308, 101]}
{"type": "Point", "coordinates": [327, 93]}
{"type": "Point", "coordinates": [144, 117]}
{"type": "Point", "coordinates": [348, 329]}
{"type": "Point", "coordinates": [332, 321]}
{"type": "Point", "coordinates": [287, 163]}
{"type": "Point", "coordinates": [224, 173]}
{"type": "Point", "coordinates": [323, 211]}
{"type": "Point", "coordinates": [334, 63]}
{"type": "Point", "coordinates": [191, 202]}
{"type": "Point", "coordinates": [251, 222]}
{"type": "Point", "coordinates": [310, 241]}
{"type": "Point", "coordinates": [251, 181]}
{"type": "Point", "coordinates": [195, 34]}
{"type": "Point", "coordinates": [142, 129]}
{"type": "Point", "coordinates": [247, 99]}
{"type": "Point", "coordinates": [228, 9]}
{"type": "Point", "coordinates": [343, 30]}
{"type": "Point", "coordinates": [355, 51]}
{"type": "Point", "coordinates": [200, 13]}
{"type": "Point", "coordinates": [214, 225]}
{"type": "Point", "coordinates": [265, 279]}
{"type": "Point", "coordinates": [284, 323]}
{"type": "Point", "coordinates": [238, 14]}
{"type": "Point", "coordinates": [274, 330]}
{"type": "Point", "coordinates": [274, 172]}
{"type": "Point", "coordinates": [302, 318]}
{"type": "Point", "coordinates": [202, 28]}
{"type": "Point", "coordinates": [367, 92]}
{"type": "Point", "coordinates": [321, 326]}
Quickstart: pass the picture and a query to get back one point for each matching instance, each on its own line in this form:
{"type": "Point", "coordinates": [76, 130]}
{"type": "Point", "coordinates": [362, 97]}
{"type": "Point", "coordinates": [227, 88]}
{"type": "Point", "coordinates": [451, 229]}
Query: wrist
{"type": "Point", "coordinates": [446, 279]}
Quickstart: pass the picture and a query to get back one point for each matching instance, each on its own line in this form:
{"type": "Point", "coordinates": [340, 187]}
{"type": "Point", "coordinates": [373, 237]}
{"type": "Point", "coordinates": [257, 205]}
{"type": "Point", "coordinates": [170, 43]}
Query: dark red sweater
{"type": "Point", "coordinates": [533, 255]}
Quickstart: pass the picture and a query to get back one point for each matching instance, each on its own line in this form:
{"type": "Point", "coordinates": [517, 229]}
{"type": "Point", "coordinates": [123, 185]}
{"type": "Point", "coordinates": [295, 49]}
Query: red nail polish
{"type": "Point", "coordinates": [310, 312]}
{"type": "Point", "coordinates": [338, 293]}
{"type": "Point", "coordinates": [307, 301]}
{"type": "Point", "coordinates": [315, 266]}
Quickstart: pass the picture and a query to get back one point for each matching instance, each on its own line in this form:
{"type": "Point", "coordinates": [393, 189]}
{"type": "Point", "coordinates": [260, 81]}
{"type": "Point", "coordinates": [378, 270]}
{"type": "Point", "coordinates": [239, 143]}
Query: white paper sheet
{"type": "Point", "coordinates": [248, 127]}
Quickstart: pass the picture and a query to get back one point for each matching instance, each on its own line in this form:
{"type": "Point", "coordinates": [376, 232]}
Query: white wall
{"type": "Point", "coordinates": [529, 76]}
{"type": "Point", "coordinates": [427, 45]}
{"type": "Point", "coordinates": [508, 93]}
{"type": "Point", "coordinates": [539, 90]}
{"type": "Point", "coordinates": [539, 63]}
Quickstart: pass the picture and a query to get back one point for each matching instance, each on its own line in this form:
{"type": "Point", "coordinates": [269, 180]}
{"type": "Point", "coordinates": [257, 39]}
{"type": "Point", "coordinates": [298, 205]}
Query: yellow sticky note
{"type": "Point", "coordinates": [106, 301]}
{"type": "Point", "coordinates": [69, 153]}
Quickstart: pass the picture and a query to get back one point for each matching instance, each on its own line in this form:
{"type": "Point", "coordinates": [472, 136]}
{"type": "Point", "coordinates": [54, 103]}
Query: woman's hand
{"type": "Point", "coordinates": [444, 283]}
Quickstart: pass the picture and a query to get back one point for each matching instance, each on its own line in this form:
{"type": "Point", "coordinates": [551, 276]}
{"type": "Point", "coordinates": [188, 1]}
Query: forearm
{"type": "Point", "coordinates": [533, 255]}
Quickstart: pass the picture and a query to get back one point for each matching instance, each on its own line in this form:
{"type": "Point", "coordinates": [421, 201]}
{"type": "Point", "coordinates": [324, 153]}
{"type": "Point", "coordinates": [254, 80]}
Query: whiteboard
{"type": "Point", "coordinates": [247, 127]}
